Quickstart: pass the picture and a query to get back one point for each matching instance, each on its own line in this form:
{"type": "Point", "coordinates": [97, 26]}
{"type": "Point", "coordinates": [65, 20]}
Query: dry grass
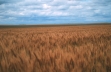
{"type": "Point", "coordinates": [56, 49]}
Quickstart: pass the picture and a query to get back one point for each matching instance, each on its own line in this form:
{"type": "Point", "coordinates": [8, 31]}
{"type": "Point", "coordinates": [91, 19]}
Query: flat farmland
{"type": "Point", "coordinates": [76, 48]}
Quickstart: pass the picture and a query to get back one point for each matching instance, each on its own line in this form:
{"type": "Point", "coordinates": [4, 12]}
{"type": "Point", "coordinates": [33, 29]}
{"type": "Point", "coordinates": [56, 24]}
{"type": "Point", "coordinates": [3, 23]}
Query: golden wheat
{"type": "Point", "coordinates": [56, 49]}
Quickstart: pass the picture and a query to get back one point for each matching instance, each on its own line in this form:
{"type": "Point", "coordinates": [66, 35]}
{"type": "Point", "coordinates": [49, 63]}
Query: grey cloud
{"type": "Point", "coordinates": [9, 1]}
{"type": "Point", "coordinates": [102, 2]}
{"type": "Point", "coordinates": [2, 2]}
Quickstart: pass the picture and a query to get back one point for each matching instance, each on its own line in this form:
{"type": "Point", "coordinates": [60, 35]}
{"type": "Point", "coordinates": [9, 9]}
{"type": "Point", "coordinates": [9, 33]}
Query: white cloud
{"type": "Point", "coordinates": [58, 13]}
{"type": "Point", "coordinates": [21, 13]}
{"type": "Point", "coordinates": [1, 16]}
{"type": "Point", "coordinates": [46, 6]}
{"type": "Point", "coordinates": [97, 11]}
{"type": "Point", "coordinates": [11, 18]}
{"type": "Point", "coordinates": [76, 7]}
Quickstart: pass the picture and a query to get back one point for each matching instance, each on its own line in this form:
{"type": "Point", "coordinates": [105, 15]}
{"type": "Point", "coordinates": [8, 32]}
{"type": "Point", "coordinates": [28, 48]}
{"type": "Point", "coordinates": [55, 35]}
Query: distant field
{"type": "Point", "coordinates": [78, 48]}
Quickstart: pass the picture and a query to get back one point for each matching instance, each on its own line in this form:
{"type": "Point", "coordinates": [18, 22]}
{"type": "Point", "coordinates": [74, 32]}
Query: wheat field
{"type": "Point", "coordinates": [82, 48]}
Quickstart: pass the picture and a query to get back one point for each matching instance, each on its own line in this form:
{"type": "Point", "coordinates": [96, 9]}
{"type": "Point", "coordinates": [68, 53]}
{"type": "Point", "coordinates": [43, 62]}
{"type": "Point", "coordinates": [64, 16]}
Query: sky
{"type": "Point", "coordinates": [54, 11]}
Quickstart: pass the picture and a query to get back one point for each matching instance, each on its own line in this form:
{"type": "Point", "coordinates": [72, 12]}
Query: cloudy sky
{"type": "Point", "coordinates": [54, 11]}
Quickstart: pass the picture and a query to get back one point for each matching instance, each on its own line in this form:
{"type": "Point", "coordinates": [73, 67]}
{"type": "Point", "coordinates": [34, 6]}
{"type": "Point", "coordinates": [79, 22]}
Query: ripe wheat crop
{"type": "Point", "coordinates": [84, 48]}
